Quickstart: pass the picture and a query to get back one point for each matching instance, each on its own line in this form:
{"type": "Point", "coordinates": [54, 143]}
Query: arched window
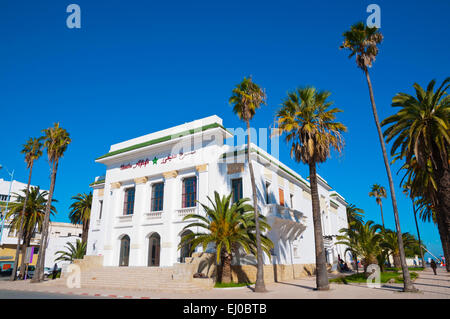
{"type": "Point", "coordinates": [124, 251]}
{"type": "Point", "coordinates": [154, 245]}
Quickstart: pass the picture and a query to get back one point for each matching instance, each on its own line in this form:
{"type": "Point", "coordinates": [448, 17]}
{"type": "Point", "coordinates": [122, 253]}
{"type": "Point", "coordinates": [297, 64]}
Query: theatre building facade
{"type": "Point", "coordinates": [152, 182]}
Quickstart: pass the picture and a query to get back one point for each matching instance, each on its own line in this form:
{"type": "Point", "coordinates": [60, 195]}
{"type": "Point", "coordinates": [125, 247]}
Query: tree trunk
{"type": "Point", "coordinates": [226, 268]}
{"type": "Point", "coordinates": [408, 285]}
{"type": "Point", "coordinates": [444, 209]}
{"type": "Point", "coordinates": [397, 261]}
{"type": "Point", "coordinates": [39, 272]}
{"type": "Point", "coordinates": [382, 218]}
{"type": "Point", "coordinates": [259, 284]}
{"type": "Point", "coordinates": [444, 237]}
{"type": "Point", "coordinates": [321, 266]}
{"type": "Point", "coordinates": [418, 233]}
{"type": "Point", "coordinates": [26, 243]}
{"type": "Point", "coordinates": [85, 233]}
{"type": "Point", "coordinates": [22, 218]}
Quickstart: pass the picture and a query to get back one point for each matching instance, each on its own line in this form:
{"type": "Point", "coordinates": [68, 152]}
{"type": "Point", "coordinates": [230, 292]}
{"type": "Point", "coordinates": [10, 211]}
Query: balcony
{"type": "Point", "coordinates": [124, 221]}
{"type": "Point", "coordinates": [287, 222]}
{"type": "Point", "coordinates": [182, 212]}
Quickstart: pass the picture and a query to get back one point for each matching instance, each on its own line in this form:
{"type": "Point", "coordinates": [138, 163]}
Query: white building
{"type": "Point", "coordinates": [153, 181]}
{"type": "Point", "coordinates": [59, 233]}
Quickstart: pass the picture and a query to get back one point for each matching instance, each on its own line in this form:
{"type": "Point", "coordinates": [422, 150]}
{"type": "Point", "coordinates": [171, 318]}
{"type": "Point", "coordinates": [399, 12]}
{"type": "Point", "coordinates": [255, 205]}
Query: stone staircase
{"type": "Point", "coordinates": [139, 278]}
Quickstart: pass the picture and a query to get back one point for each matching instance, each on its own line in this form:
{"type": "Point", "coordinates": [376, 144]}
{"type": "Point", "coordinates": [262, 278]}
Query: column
{"type": "Point", "coordinates": [203, 190]}
{"type": "Point", "coordinates": [137, 248]}
{"type": "Point", "coordinates": [168, 254]}
{"type": "Point", "coordinates": [110, 212]}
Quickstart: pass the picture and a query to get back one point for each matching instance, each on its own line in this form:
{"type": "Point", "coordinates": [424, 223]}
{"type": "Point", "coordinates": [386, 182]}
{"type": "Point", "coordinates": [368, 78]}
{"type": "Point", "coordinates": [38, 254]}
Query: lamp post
{"type": "Point", "coordinates": [7, 202]}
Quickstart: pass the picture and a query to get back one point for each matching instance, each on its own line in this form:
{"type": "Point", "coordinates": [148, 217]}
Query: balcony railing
{"type": "Point", "coordinates": [154, 215]}
{"type": "Point", "coordinates": [182, 212]}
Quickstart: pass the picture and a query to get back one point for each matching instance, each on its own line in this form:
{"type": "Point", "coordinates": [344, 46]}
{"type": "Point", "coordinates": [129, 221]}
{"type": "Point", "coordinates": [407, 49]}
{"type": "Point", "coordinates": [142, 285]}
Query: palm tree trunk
{"type": "Point", "coordinates": [39, 272]}
{"type": "Point", "coordinates": [321, 267]}
{"type": "Point", "coordinates": [22, 217]}
{"type": "Point", "coordinates": [226, 268]}
{"type": "Point", "coordinates": [382, 218]}
{"type": "Point", "coordinates": [408, 285]}
{"type": "Point", "coordinates": [418, 233]}
{"type": "Point", "coordinates": [259, 284]}
{"type": "Point", "coordinates": [84, 235]}
{"type": "Point", "coordinates": [444, 209]}
{"type": "Point", "coordinates": [26, 243]}
{"type": "Point", "coordinates": [443, 234]}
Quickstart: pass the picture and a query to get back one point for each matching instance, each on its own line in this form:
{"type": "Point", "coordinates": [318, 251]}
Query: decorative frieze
{"type": "Point", "coordinates": [141, 180]}
{"type": "Point", "coordinates": [101, 192]}
{"type": "Point", "coordinates": [116, 185]}
{"type": "Point", "coordinates": [267, 174]}
{"type": "Point", "coordinates": [170, 174]}
{"type": "Point", "coordinates": [235, 168]}
{"type": "Point", "coordinates": [201, 168]}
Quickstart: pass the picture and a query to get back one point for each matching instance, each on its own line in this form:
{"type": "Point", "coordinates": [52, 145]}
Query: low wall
{"type": "Point", "coordinates": [205, 263]}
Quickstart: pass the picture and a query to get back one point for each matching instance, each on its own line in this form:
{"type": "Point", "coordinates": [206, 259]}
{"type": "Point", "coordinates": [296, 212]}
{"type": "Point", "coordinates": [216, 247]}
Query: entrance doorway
{"type": "Point", "coordinates": [124, 251]}
{"type": "Point", "coordinates": [154, 250]}
{"type": "Point", "coordinates": [185, 250]}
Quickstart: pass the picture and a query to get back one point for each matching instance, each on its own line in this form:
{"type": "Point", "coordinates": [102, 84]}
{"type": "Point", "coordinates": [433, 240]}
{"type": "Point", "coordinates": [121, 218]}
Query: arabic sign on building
{"type": "Point", "coordinates": [145, 162]}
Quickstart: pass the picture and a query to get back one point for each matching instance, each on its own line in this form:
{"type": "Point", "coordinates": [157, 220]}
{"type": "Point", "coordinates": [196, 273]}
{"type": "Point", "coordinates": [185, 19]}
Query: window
{"type": "Point", "coordinates": [128, 205]}
{"type": "Point", "coordinates": [281, 193]}
{"type": "Point", "coordinates": [157, 197]}
{"type": "Point", "coordinates": [101, 210]}
{"type": "Point", "coordinates": [189, 192]}
{"type": "Point", "coordinates": [267, 192]}
{"type": "Point", "coordinates": [291, 198]}
{"type": "Point", "coordinates": [236, 187]}
{"type": "Point", "coordinates": [69, 234]}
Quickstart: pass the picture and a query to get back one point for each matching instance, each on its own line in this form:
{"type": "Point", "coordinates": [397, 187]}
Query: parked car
{"type": "Point", "coordinates": [47, 271]}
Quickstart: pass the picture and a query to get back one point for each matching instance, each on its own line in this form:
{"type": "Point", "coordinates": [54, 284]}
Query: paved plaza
{"type": "Point", "coordinates": [431, 287]}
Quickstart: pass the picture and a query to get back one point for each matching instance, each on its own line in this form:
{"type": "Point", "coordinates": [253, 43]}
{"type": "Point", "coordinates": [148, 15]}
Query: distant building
{"type": "Point", "coordinates": [59, 233]}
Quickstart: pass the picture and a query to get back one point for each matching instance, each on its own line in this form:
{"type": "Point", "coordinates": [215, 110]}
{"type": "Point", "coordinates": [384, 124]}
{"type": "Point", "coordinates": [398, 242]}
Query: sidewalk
{"type": "Point", "coordinates": [430, 286]}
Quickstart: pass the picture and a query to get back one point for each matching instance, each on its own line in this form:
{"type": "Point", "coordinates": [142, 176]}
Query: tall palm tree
{"type": "Point", "coordinates": [228, 226]}
{"type": "Point", "coordinates": [80, 213]}
{"type": "Point", "coordinates": [29, 221]}
{"type": "Point", "coordinates": [310, 126]}
{"type": "Point", "coordinates": [56, 141]}
{"type": "Point", "coordinates": [246, 98]}
{"type": "Point", "coordinates": [406, 191]}
{"type": "Point", "coordinates": [379, 192]}
{"type": "Point", "coordinates": [32, 150]}
{"type": "Point", "coordinates": [363, 240]}
{"type": "Point", "coordinates": [421, 130]}
{"type": "Point", "coordinates": [362, 42]}
{"type": "Point", "coordinates": [73, 252]}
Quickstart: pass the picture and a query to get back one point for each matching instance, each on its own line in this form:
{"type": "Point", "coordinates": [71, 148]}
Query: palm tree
{"type": "Point", "coordinates": [80, 212]}
{"type": "Point", "coordinates": [32, 150]}
{"type": "Point", "coordinates": [246, 98]}
{"type": "Point", "coordinates": [73, 252]}
{"type": "Point", "coordinates": [354, 216]}
{"type": "Point", "coordinates": [390, 242]}
{"type": "Point", "coordinates": [420, 131]}
{"type": "Point", "coordinates": [310, 126]}
{"type": "Point", "coordinates": [228, 226]}
{"type": "Point", "coordinates": [379, 192]}
{"type": "Point", "coordinates": [56, 141]}
{"type": "Point", "coordinates": [362, 42]}
{"type": "Point", "coordinates": [29, 221]}
{"type": "Point", "coordinates": [363, 240]}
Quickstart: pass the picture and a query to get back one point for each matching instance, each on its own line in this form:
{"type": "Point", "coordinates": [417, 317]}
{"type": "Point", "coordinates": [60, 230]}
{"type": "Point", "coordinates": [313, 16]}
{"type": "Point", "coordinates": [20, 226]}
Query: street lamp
{"type": "Point", "coordinates": [7, 202]}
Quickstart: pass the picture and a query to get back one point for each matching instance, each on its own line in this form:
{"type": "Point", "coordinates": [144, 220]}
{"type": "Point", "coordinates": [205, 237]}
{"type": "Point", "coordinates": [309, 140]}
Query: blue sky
{"type": "Point", "coordinates": [137, 67]}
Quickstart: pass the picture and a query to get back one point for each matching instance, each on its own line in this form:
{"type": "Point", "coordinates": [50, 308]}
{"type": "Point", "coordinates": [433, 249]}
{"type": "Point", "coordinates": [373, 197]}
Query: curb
{"type": "Point", "coordinates": [85, 294]}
